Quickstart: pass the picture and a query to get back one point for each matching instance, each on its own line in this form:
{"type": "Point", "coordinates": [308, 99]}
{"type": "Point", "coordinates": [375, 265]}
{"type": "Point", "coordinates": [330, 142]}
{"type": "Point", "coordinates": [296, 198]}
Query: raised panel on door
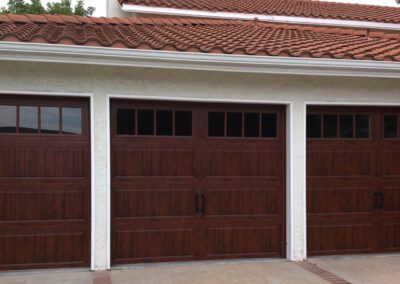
{"type": "Point", "coordinates": [243, 181]}
{"type": "Point", "coordinates": [44, 182]}
{"type": "Point", "coordinates": [388, 214]}
{"type": "Point", "coordinates": [342, 165]}
{"type": "Point", "coordinates": [183, 195]}
{"type": "Point", "coordinates": [153, 183]}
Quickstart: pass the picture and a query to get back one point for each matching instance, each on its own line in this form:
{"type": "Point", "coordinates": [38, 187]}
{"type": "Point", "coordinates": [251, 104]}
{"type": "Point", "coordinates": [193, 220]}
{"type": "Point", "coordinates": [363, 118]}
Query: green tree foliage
{"type": "Point", "coordinates": [63, 7]}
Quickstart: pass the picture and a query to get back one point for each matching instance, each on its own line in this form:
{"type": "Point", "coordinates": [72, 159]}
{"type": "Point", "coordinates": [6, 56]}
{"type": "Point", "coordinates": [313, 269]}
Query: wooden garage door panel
{"type": "Point", "coordinates": [353, 197]}
{"type": "Point", "coordinates": [242, 163]}
{"type": "Point", "coordinates": [153, 162]}
{"type": "Point", "coordinates": [391, 199]}
{"type": "Point", "coordinates": [391, 163]}
{"type": "Point", "coordinates": [39, 250]}
{"type": "Point", "coordinates": [58, 162]}
{"type": "Point", "coordinates": [328, 200]}
{"type": "Point", "coordinates": [42, 205]}
{"type": "Point", "coordinates": [339, 163]}
{"type": "Point", "coordinates": [251, 241]}
{"type": "Point", "coordinates": [391, 236]}
{"type": "Point", "coordinates": [231, 201]}
{"type": "Point", "coordinates": [142, 203]}
{"type": "Point", "coordinates": [333, 239]}
{"type": "Point", "coordinates": [195, 196]}
{"type": "Point", "coordinates": [45, 184]}
{"type": "Point", "coordinates": [153, 244]}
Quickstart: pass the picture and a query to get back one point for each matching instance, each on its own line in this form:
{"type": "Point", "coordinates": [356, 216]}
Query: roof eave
{"type": "Point", "coordinates": [34, 52]}
{"type": "Point", "coordinates": [264, 18]}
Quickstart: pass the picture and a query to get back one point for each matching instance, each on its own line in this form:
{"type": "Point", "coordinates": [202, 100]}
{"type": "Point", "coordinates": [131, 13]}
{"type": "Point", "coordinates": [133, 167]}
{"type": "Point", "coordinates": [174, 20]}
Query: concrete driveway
{"type": "Point", "coordinates": [235, 272]}
{"type": "Point", "coordinates": [376, 269]}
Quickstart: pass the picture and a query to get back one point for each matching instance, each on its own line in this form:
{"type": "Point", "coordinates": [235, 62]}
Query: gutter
{"type": "Point", "coordinates": [264, 18]}
{"type": "Point", "coordinates": [106, 56]}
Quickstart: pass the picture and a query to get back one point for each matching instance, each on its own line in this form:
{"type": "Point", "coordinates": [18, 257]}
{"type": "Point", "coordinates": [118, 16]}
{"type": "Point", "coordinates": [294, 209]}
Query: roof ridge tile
{"type": "Point", "coordinates": [5, 19]}
{"type": "Point", "coordinates": [296, 8]}
{"type": "Point", "coordinates": [79, 20]}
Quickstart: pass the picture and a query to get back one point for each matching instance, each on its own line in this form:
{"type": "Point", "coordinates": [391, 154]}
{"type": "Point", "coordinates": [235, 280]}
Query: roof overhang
{"type": "Point", "coordinates": [34, 52]}
{"type": "Point", "coordinates": [265, 18]}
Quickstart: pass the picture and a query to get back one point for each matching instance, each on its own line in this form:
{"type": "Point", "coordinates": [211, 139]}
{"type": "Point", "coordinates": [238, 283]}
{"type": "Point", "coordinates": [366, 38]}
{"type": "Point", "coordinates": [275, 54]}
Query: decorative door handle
{"type": "Point", "coordinates": [376, 202]}
{"type": "Point", "coordinates": [203, 203]}
{"type": "Point", "coordinates": [381, 200]}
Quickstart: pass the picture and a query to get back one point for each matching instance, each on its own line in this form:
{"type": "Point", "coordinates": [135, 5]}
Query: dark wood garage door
{"type": "Point", "coordinates": [353, 177]}
{"type": "Point", "coordinates": [193, 181]}
{"type": "Point", "coordinates": [44, 182]}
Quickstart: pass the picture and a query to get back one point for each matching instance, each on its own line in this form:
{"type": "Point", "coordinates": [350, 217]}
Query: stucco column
{"type": "Point", "coordinates": [100, 245]}
{"type": "Point", "coordinates": [296, 182]}
{"type": "Point", "coordinates": [114, 10]}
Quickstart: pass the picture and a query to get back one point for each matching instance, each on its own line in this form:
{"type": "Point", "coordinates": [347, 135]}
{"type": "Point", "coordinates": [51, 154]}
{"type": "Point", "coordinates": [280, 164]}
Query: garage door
{"type": "Point", "coordinates": [44, 182]}
{"type": "Point", "coordinates": [193, 181]}
{"type": "Point", "coordinates": [353, 169]}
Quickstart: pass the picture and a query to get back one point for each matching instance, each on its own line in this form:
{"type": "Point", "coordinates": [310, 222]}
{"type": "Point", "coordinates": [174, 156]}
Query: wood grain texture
{"type": "Point", "coordinates": [353, 197]}
{"type": "Point", "coordinates": [186, 198]}
{"type": "Point", "coordinates": [45, 194]}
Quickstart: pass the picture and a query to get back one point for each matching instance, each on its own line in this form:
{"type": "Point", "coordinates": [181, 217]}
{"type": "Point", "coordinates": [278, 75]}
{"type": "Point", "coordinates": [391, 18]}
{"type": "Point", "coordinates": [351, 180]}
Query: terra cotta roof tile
{"type": "Point", "coordinates": [204, 36]}
{"type": "Point", "coordinates": [297, 8]}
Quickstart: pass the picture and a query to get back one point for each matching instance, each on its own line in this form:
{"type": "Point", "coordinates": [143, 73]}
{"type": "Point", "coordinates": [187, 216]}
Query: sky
{"type": "Point", "coordinates": [100, 4]}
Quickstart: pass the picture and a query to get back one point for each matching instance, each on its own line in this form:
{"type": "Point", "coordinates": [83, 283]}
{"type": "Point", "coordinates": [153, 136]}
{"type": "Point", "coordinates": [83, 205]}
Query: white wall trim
{"type": "Point", "coordinates": [57, 53]}
{"type": "Point", "coordinates": [304, 174]}
{"type": "Point", "coordinates": [289, 153]}
{"type": "Point", "coordinates": [352, 103]}
{"type": "Point", "coordinates": [108, 188]}
{"type": "Point", "coordinates": [289, 184]}
{"type": "Point", "coordinates": [265, 18]}
{"type": "Point", "coordinates": [143, 96]}
{"type": "Point", "coordinates": [92, 155]}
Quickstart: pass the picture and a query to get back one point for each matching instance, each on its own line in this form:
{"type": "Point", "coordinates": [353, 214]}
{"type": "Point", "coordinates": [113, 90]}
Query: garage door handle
{"type": "Point", "coordinates": [376, 205]}
{"type": "Point", "coordinates": [381, 200]}
{"type": "Point", "coordinates": [203, 203]}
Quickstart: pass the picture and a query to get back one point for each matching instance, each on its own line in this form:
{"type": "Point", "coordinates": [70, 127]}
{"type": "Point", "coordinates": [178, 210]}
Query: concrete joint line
{"type": "Point", "coordinates": [101, 277]}
{"type": "Point", "coordinates": [322, 273]}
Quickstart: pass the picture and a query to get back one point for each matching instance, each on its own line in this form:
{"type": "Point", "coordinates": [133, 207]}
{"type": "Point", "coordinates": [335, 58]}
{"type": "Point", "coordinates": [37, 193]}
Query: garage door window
{"type": "Point", "coordinates": [40, 119]}
{"type": "Point", "coordinates": [50, 117]}
{"type": "Point", "coordinates": [391, 126]}
{"type": "Point", "coordinates": [8, 119]}
{"type": "Point", "coordinates": [242, 124]}
{"type": "Point", "coordinates": [154, 122]}
{"type": "Point", "coordinates": [333, 126]}
{"type": "Point", "coordinates": [28, 119]}
{"type": "Point", "coordinates": [71, 120]}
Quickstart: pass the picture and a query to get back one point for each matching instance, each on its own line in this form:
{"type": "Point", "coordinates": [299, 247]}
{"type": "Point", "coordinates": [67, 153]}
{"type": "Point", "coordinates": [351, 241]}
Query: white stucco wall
{"type": "Point", "coordinates": [114, 10]}
{"type": "Point", "coordinates": [101, 81]}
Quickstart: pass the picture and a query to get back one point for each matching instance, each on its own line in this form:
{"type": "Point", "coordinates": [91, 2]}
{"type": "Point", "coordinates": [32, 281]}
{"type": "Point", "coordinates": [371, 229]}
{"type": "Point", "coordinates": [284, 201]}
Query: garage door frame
{"type": "Point", "coordinates": [326, 104]}
{"type": "Point", "coordinates": [288, 162]}
{"type": "Point", "coordinates": [89, 96]}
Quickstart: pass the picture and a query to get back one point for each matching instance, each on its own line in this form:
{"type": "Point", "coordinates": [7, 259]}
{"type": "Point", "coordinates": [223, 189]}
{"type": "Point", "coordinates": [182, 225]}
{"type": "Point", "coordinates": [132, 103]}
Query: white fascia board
{"type": "Point", "coordinates": [260, 17]}
{"type": "Point", "coordinates": [55, 53]}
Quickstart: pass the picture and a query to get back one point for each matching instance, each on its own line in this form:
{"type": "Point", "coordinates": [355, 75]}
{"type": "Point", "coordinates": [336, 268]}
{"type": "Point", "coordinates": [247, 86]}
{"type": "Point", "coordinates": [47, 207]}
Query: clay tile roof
{"type": "Point", "coordinates": [205, 36]}
{"type": "Point", "coordinates": [299, 8]}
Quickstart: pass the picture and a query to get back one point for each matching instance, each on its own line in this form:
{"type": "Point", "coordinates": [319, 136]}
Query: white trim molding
{"type": "Point", "coordinates": [264, 18]}
{"type": "Point", "coordinates": [57, 53]}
